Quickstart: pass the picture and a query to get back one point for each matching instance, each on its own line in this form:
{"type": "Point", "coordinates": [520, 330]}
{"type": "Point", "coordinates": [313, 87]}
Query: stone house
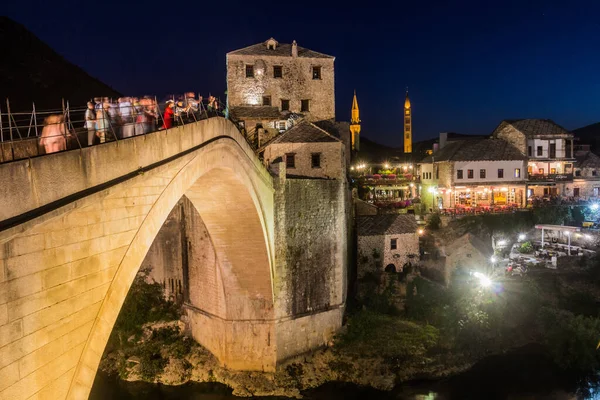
{"type": "Point", "coordinates": [386, 242]}
{"type": "Point", "coordinates": [586, 179]}
{"type": "Point", "coordinates": [549, 149]}
{"type": "Point", "coordinates": [469, 252]}
{"type": "Point", "coordinates": [271, 84]}
{"type": "Point", "coordinates": [475, 172]}
{"type": "Point", "coordinates": [307, 151]}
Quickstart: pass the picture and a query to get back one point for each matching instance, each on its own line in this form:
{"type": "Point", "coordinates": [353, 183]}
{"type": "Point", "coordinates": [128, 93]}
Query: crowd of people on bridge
{"type": "Point", "coordinates": [105, 119]}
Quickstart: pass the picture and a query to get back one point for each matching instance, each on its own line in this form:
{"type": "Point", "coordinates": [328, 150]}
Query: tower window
{"type": "Point", "coordinates": [290, 160]}
{"type": "Point", "coordinates": [315, 160]}
{"type": "Point", "coordinates": [278, 71]}
{"type": "Point", "coordinates": [316, 72]}
{"type": "Point", "coordinates": [285, 105]}
{"type": "Point", "coordinates": [249, 71]}
{"type": "Point", "coordinates": [304, 106]}
{"type": "Point", "coordinates": [266, 100]}
{"type": "Point", "coordinates": [407, 112]}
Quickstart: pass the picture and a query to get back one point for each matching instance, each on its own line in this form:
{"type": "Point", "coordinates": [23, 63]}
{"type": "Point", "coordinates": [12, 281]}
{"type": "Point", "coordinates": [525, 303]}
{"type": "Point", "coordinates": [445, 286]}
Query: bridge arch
{"type": "Point", "coordinates": [66, 272]}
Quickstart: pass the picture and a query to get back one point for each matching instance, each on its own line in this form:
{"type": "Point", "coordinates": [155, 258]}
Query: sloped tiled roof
{"type": "Point", "coordinates": [386, 224]}
{"type": "Point", "coordinates": [281, 50]}
{"type": "Point", "coordinates": [472, 240]}
{"type": "Point", "coordinates": [532, 127]}
{"type": "Point", "coordinates": [587, 160]}
{"type": "Point", "coordinates": [476, 150]}
{"type": "Point", "coordinates": [266, 112]}
{"type": "Point", "coordinates": [304, 132]}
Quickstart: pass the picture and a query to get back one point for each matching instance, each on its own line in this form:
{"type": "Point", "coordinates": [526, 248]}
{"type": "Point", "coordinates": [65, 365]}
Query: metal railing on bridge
{"type": "Point", "coordinates": [30, 134]}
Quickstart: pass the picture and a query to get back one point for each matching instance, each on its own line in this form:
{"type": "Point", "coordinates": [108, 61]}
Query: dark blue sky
{"type": "Point", "coordinates": [467, 64]}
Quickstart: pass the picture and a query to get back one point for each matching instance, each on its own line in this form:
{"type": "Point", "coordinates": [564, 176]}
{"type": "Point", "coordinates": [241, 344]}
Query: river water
{"type": "Point", "coordinates": [525, 374]}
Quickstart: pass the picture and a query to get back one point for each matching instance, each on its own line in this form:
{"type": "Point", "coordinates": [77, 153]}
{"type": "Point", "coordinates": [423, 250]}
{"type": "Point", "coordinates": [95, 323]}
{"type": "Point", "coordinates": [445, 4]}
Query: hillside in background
{"type": "Point", "coordinates": [589, 134]}
{"type": "Point", "coordinates": [30, 71]}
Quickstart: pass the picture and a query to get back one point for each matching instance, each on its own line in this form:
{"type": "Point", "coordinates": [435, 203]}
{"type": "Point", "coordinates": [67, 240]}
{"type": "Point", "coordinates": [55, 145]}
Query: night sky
{"type": "Point", "coordinates": [467, 65]}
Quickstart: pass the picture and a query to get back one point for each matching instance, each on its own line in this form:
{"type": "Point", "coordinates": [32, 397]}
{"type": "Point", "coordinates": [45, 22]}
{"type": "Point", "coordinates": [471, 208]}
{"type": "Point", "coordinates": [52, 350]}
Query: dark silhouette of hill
{"type": "Point", "coordinates": [589, 134]}
{"type": "Point", "coordinates": [30, 71]}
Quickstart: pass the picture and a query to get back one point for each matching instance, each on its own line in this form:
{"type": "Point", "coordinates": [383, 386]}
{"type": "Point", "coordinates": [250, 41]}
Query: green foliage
{"type": "Point", "coordinates": [572, 339]}
{"type": "Point", "coordinates": [553, 215]}
{"type": "Point", "coordinates": [380, 302]}
{"type": "Point", "coordinates": [435, 221]}
{"type": "Point", "coordinates": [370, 333]}
{"type": "Point", "coordinates": [144, 303]}
{"type": "Point", "coordinates": [526, 247]}
{"type": "Point", "coordinates": [376, 254]}
{"type": "Point", "coordinates": [152, 362]}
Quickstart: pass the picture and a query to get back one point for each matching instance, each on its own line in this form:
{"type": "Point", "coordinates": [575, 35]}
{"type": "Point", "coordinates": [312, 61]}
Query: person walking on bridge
{"type": "Point", "coordinates": [54, 134]}
{"type": "Point", "coordinates": [90, 122]}
{"type": "Point", "coordinates": [168, 115]}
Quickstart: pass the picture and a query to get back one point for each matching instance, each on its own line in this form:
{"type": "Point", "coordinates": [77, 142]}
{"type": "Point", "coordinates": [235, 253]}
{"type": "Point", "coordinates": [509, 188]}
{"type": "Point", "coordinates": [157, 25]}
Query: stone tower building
{"type": "Point", "coordinates": [270, 84]}
{"type": "Point", "coordinates": [355, 125]}
{"type": "Point", "coordinates": [407, 125]}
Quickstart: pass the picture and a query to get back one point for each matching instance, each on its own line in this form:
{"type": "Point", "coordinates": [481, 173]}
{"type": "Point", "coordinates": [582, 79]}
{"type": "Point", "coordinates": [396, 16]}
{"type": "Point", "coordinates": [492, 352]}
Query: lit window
{"type": "Point", "coordinates": [541, 171]}
{"type": "Point", "coordinates": [315, 160]}
{"type": "Point", "coordinates": [393, 244]}
{"type": "Point", "coordinates": [316, 72]}
{"type": "Point", "coordinates": [290, 160]}
{"type": "Point", "coordinates": [552, 170]}
{"type": "Point", "coordinates": [517, 172]}
{"type": "Point", "coordinates": [249, 71]}
{"type": "Point", "coordinates": [304, 106]}
{"type": "Point", "coordinates": [282, 125]}
{"type": "Point", "coordinates": [278, 71]}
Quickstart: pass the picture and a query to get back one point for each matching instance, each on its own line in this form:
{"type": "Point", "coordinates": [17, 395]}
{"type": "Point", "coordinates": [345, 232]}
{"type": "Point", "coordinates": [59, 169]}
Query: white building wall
{"type": "Point", "coordinates": [491, 174]}
{"type": "Point", "coordinates": [545, 143]}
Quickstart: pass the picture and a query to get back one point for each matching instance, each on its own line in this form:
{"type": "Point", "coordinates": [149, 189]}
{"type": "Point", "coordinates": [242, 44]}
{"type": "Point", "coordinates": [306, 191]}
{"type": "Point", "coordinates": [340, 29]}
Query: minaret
{"type": "Point", "coordinates": [407, 125]}
{"type": "Point", "coordinates": [355, 125]}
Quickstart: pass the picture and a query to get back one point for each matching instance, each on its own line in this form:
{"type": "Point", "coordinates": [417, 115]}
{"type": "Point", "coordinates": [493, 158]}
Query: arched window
{"type": "Point", "coordinates": [390, 268]}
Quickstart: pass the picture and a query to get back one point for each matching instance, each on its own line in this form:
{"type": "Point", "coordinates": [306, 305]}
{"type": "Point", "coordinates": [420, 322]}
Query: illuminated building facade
{"type": "Point", "coordinates": [270, 84]}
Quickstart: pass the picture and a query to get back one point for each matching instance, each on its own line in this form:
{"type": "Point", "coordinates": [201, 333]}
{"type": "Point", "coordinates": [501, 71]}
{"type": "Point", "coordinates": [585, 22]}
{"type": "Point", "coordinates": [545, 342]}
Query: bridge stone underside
{"type": "Point", "coordinates": [66, 270]}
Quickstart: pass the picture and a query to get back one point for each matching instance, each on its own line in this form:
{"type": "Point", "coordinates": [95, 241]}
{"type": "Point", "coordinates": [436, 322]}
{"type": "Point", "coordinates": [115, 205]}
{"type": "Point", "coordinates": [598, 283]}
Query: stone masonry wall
{"type": "Point", "coordinates": [513, 136]}
{"type": "Point", "coordinates": [296, 84]}
{"type": "Point", "coordinates": [310, 244]}
{"type": "Point", "coordinates": [332, 158]}
{"type": "Point", "coordinates": [407, 251]}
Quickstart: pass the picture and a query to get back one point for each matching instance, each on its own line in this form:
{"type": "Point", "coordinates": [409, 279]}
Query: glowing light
{"type": "Point", "coordinates": [485, 190]}
{"type": "Point", "coordinates": [421, 231]}
{"type": "Point", "coordinates": [588, 237]}
{"type": "Point", "coordinates": [483, 280]}
{"type": "Point", "coordinates": [468, 190]}
{"type": "Point", "coordinates": [504, 189]}
{"type": "Point", "coordinates": [449, 190]}
{"type": "Point", "coordinates": [431, 190]}
{"type": "Point", "coordinates": [502, 242]}
{"type": "Point", "coordinates": [567, 233]}
{"type": "Point", "coordinates": [594, 206]}
{"type": "Point", "coordinates": [351, 168]}
{"type": "Point", "coordinates": [387, 166]}
{"type": "Point", "coordinates": [410, 166]}
{"type": "Point", "coordinates": [522, 236]}
{"type": "Point", "coordinates": [493, 259]}
{"type": "Point", "coordinates": [412, 184]}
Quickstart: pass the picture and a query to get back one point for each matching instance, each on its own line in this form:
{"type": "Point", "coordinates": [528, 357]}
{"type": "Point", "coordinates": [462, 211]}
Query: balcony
{"type": "Point", "coordinates": [391, 179]}
{"type": "Point", "coordinates": [550, 178]}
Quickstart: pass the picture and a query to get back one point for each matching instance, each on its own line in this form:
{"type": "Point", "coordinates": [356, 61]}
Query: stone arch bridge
{"type": "Point", "coordinates": [75, 227]}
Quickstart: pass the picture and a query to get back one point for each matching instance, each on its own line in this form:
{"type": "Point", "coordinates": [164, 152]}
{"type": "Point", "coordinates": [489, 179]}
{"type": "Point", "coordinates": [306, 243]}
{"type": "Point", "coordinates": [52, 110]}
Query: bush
{"type": "Point", "coordinates": [435, 221]}
{"type": "Point", "coordinates": [526, 247]}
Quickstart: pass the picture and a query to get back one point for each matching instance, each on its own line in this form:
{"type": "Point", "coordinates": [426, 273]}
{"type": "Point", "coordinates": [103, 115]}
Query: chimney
{"type": "Point", "coordinates": [436, 147]}
{"type": "Point", "coordinates": [443, 139]}
{"type": "Point", "coordinates": [294, 49]}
